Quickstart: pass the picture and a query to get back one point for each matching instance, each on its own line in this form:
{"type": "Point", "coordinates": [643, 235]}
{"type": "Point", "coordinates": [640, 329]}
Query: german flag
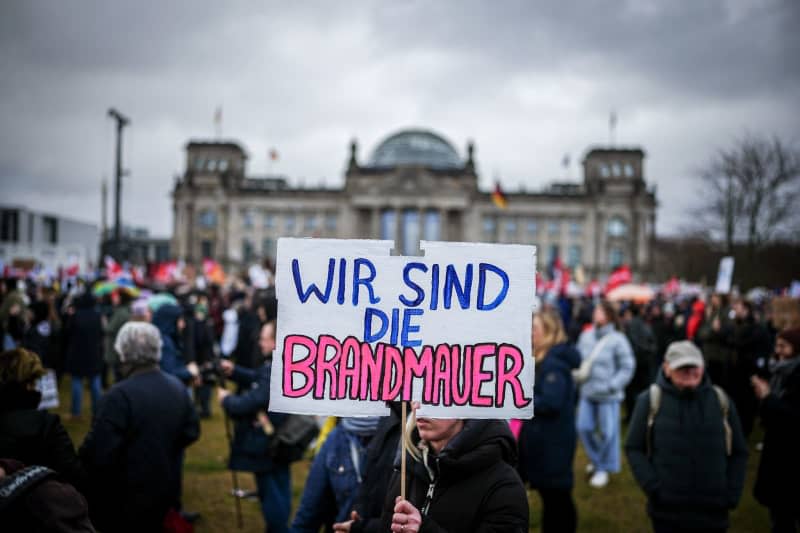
{"type": "Point", "coordinates": [498, 197]}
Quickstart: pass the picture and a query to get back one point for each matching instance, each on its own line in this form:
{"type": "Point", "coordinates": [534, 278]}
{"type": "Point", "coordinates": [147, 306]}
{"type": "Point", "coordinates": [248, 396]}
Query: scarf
{"type": "Point", "coordinates": [363, 426]}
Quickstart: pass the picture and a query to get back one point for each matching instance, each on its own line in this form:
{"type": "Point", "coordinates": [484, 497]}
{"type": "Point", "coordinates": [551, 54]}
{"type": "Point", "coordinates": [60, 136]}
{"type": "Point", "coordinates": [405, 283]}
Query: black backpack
{"type": "Point", "coordinates": [292, 438]}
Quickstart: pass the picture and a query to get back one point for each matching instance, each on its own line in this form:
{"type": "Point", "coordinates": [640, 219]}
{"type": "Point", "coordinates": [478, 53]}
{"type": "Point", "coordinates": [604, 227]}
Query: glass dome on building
{"type": "Point", "coordinates": [416, 147]}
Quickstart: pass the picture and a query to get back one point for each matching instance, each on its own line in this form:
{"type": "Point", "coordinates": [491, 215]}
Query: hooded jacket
{"type": "Point", "coordinates": [474, 485]}
{"type": "Point", "coordinates": [172, 362]}
{"type": "Point", "coordinates": [36, 437]}
{"type": "Point", "coordinates": [547, 441]}
{"type": "Point", "coordinates": [690, 481]}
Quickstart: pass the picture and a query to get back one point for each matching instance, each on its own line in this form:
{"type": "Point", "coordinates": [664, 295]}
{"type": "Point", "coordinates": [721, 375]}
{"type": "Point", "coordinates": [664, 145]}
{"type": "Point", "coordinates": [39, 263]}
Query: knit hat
{"type": "Point", "coordinates": [683, 353]}
{"type": "Point", "coordinates": [20, 366]}
{"type": "Point", "coordinates": [792, 336]}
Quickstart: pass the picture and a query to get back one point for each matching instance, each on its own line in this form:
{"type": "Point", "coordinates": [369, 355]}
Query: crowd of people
{"type": "Point", "coordinates": [677, 384]}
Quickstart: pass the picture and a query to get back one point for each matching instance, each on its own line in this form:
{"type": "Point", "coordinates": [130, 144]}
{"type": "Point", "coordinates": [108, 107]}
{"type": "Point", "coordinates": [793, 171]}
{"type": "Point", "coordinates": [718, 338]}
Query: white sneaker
{"type": "Point", "coordinates": [599, 479]}
{"type": "Point", "coordinates": [589, 469]}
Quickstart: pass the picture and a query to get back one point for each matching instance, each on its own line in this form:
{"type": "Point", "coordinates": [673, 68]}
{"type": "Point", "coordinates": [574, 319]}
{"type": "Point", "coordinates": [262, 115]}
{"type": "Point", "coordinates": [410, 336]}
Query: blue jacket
{"type": "Point", "coordinates": [165, 319]}
{"type": "Point", "coordinates": [547, 441]}
{"type": "Point", "coordinates": [612, 368]}
{"type": "Point", "coordinates": [332, 483]}
{"type": "Point", "coordinates": [250, 445]}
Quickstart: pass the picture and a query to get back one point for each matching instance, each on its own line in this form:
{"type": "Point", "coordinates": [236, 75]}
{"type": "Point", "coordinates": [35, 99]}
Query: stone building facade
{"type": "Point", "coordinates": [415, 186]}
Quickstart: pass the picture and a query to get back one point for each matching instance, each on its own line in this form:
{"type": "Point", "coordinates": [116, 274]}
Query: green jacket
{"type": "Point", "coordinates": [119, 317]}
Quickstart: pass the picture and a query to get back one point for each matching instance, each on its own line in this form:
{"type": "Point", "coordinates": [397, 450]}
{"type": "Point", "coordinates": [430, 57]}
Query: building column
{"type": "Point", "coordinates": [224, 217]}
{"type": "Point", "coordinates": [375, 223]}
{"type": "Point", "coordinates": [190, 244]}
{"type": "Point", "coordinates": [444, 225]}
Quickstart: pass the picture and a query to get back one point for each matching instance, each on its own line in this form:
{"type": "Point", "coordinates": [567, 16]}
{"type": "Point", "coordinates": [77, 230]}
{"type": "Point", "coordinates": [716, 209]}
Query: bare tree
{"type": "Point", "coordinates": [749, 193]}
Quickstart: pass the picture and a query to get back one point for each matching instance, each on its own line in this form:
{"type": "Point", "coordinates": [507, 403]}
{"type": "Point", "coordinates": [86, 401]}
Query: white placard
{"type": "Point", "coordinates": [48, 386]}
{"type": "Point", "coordinates": [358, 327]}
{"type": "Point", "coordinates": [724, 275]}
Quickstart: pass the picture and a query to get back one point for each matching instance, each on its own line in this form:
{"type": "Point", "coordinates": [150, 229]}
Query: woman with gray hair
{"type": "Point", "coordinates": [133, 450]}
{"type": "Point", "coordinates": [138, 344]}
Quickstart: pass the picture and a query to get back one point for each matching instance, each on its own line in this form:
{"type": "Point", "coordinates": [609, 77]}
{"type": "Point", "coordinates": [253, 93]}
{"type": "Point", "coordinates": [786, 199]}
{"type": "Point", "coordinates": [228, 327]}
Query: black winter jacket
{"type": "Point", "coordinates": [381, 453]}
{"type": "Point", "coordinates": [547, 441]}
{"type": "Point", "coordinates": [84, 339]}
{"type": "Point", "coordinates": [476, 485]}
{"type": "Point", "coordinates": [689, 479]}
{"type": "Point", "coordinates": [779, 470]}
{"type": "Point", "coordinates": [133, 450]}
{"type": "Point", "coordinates": [35, 437]}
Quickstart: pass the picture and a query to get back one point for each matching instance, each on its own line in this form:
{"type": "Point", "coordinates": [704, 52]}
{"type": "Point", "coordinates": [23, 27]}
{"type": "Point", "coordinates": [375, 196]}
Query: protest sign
{"type": "Point", "coordinates": [48, 386]}
{"type": "Point", "coordinates": [724, 275]}
{"type": "Point", "coordinates": [358, 327]}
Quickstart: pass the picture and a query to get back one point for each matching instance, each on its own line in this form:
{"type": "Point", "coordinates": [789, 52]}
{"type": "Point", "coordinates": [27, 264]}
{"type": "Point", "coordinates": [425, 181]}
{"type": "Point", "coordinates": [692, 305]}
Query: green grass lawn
{"type": "Point", "coordinates": [207, 485]}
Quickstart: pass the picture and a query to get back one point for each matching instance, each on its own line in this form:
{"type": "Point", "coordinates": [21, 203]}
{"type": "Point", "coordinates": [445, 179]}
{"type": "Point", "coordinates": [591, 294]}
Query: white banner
{"type": "Point", "coordinates": [358, 327]}
{"type": "Point", "coordinates": [48, 386]}
{"type": "Point", "coordinates": [724, 275]}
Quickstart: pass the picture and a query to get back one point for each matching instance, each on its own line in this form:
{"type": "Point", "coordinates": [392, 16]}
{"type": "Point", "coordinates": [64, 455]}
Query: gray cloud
{"type": "Point", "coordinates": [527, 81]}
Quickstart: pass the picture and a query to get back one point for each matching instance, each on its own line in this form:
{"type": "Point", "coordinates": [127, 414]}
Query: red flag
{"type": "Point", "coordinates": [593, 288]}
{"type": "Point", "coordinates": [113, 269]}
{"type": "Point", "coordinates": [672, 287]}
{"type": "Point", "coordinates": [620, 276]}
{"type": "Point", "coordinates": [165, 271]}
{"type": "Point", "coordinates": [273, 154]}
{"type": "Point", "coordinates": [560, 276]}
{"type": "Point", "coordinates": [213, 272]}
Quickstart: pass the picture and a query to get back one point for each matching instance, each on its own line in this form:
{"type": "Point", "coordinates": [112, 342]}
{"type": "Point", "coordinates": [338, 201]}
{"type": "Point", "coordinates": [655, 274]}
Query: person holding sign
{"type": "Point", "coordinates": [460, 478]}
{"type": "Point", "coordinates": [607, 367]}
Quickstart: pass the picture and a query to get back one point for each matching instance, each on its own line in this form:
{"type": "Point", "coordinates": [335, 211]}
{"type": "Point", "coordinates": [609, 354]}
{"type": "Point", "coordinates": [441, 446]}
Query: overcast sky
{"type": "Point", "coordinates": [528, 81]}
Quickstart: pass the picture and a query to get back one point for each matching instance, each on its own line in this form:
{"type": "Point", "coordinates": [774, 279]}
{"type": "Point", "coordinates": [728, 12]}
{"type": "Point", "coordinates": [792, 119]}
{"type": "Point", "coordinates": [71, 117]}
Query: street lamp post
{"type": "Point", "coordinates": [122, 121]}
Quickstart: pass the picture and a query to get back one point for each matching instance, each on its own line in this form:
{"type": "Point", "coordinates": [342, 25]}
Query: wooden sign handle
{"type": "Point", "coordinates": [403, 453]}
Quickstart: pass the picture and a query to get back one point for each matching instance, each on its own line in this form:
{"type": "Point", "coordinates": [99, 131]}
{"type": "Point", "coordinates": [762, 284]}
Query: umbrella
{"type": "Point", "coordinates": [631, 292]}
{"type": "Point", "coordinates": [106, 287]}
{"type": "Point", "coordinates": [162, 298]}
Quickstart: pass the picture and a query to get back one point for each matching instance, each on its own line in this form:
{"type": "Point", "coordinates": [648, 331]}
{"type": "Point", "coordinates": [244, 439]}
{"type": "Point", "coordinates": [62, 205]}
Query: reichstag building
{"type": "Point", "coordinates": [415, 185]}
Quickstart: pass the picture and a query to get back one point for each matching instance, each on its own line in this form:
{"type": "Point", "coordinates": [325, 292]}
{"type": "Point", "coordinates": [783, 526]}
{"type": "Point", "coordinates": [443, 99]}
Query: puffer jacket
{"type": "Point", "coordinates": [474, 485]}
{"type": "Point", "coordinates": [612, 368]}
{"type": "Point", "coordinates": [547, 441]}
{"type": "Point", "coordinates": [690, 481]}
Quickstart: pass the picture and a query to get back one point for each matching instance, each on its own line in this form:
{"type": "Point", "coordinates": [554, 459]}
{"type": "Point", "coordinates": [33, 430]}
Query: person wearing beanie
{"type": "Point", "coordinates": [28, 435]}
{"type": "Point", "coordinates": [686, 447]}
{"type": "Point", "coordinates": [779, 470]}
